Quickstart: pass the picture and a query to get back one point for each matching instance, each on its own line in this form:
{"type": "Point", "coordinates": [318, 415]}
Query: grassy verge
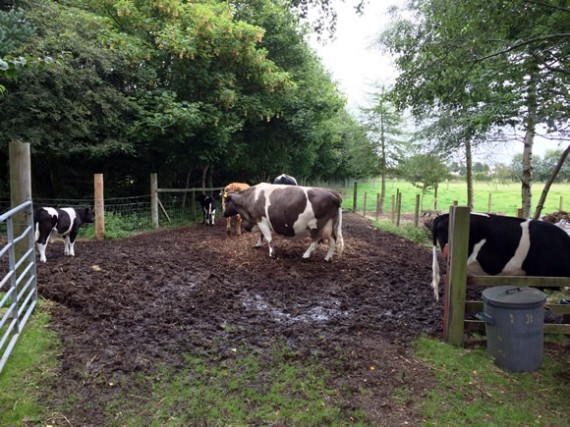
{"type": "Point", "coordinates": [473, 391]}
{"type": "Point", "coordinates": [27, 374]}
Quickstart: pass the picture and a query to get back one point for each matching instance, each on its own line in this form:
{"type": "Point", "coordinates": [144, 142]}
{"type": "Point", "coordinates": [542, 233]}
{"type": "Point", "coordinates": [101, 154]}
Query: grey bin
{"type": "Point", "coordinates": [514, 322]}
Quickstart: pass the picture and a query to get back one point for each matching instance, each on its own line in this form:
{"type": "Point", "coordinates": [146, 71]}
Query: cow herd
{"type": "Point", "coordinates": [498, 245]}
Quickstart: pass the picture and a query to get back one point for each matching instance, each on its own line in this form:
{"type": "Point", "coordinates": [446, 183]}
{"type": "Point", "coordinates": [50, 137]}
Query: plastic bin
{"type": "Point", "coordinates": [514, 322]}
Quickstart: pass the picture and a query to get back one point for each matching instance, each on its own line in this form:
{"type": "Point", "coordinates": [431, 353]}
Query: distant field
{"type": "Point", "coordinates": [502, 198]}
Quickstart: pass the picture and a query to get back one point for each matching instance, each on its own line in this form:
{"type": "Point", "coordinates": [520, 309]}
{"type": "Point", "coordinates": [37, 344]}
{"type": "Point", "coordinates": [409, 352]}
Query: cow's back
{"type": "Point", "coordinates": [549, 253]}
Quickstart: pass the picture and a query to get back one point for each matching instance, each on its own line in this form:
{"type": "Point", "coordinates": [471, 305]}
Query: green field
{"type": "Point", "coordinates": [488, 196]}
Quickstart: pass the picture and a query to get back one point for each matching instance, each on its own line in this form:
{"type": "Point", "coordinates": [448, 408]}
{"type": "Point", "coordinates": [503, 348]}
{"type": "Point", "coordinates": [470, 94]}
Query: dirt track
{"type": "Point", "coordinates": [124, 306]}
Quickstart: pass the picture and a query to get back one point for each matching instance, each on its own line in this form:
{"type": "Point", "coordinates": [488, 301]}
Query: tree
{"type": "Point", "coordinates": [502, 61]}
{"type": "Point", "coordinates": [384, 125]}
{"type": "Point", "coordinates": [424, 171]}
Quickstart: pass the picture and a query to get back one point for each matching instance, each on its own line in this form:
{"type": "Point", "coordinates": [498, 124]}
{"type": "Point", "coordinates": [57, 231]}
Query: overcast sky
{"type": "Point", "coordinates": [358, 67]}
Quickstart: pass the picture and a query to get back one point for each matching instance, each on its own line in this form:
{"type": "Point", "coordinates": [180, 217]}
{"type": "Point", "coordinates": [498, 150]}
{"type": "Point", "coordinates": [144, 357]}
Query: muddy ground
{"type": "Point", "coordinates": [125, 306]}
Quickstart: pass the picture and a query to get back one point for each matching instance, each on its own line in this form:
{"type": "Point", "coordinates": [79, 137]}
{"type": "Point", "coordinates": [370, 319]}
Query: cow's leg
{"type": "Point", "coordinates": [265, 230]}
{"type": "Point", "coordinates": [66, 246]}
{"type": "Point", "coordinates": [228, 226]}
{"type": "Point", "coordinates": [238, 225]}
{"type": "Point", "coordinates": [312, 247]}
{"type": "Point", "coordinates": [42, 242]}
{"type": "Point", "coordinates": [332, 247]}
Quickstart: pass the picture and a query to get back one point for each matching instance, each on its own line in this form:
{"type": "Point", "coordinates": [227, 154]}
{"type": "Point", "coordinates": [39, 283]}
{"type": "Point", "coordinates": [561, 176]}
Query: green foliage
{"type": "Point", "coordinates": [14, 31]}
{"type": "Point", "coordinates": [424, 171]}
{"type": "Point", "coordinates": [409, 231]}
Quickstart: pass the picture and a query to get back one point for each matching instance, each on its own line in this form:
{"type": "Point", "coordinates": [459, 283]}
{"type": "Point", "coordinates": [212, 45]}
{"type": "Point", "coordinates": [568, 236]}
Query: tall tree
{"type": "Point", "coordinates": [503, 60]}
{"type": "Point", "coordinates": [384, 124]}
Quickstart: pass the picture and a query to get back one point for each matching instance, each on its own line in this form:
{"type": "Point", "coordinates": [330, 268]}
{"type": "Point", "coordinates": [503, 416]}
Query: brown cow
{"type": "Point", "coordinates": [291, 211]}
{"type": "Point", "coordinates": [234, 187]}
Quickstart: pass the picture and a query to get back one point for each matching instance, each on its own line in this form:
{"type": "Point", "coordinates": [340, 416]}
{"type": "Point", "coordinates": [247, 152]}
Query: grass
{"type": "Point", "coordinates": [473, 391]}
{"type": "Point", "coordinates": [243, 389]}
{"type": "Point", "coordinates": [27, 374]}
{"type": "Point", "coordinates": [488, 196]}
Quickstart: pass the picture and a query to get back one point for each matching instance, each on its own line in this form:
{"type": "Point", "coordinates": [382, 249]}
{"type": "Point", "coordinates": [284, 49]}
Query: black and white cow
{"type": "Point", "coordinates": [208, 208]}
{"type": "Point", "coordinates": [290, 211]}
{"type": "Point", "coordinates": [506, 246]}
{"type": "Point", "coordinates": [285, 179]}
{"type": "Point", "coordinates": [66, 221]}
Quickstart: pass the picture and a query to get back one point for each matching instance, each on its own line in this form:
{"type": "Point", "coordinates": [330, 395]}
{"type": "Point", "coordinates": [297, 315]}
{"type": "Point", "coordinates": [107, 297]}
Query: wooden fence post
{"type": "Point", "coordinates": [377, 206]}
{"type": "Point", "coordinates": [154, 199]}
{"type": "Point", "coordinates": [99, 207]}
{"type": "Point", "coordinates": [489, 203]}
{"type": "Point", "coordinates": [456, 284]}
{"type": "Point", "coordinates": [364, 208]}
{"type": "Point", "coordinates": [561, 205]}
{"type": "Point", "coordinates": [398, 208]}
{"type": "Point", "coordinates": [20, 190]}
{"type": "Point", "coordinates": [393, 209]}
{"type": "Point", "coordinates": [417, 213]}
{"type": "Point", "coordinates": [355, 197]}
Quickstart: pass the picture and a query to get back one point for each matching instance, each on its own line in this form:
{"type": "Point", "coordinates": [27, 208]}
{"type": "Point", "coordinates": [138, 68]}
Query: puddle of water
{"type": "Point", "coordinates": [313, 314]}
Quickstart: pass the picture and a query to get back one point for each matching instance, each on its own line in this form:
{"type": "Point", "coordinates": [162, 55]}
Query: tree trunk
{"type": "Point", "coordinates": [469, 172]}
{"type": "Point", "coordinates": [187, 186]}
{"type": "Point", "coordinates": [550, 181]}
{"type": "Point", "coordinates": [204, 176]}
{"type": "Point", "coordinates": [526, 179]}
{"type": "Point", "coordinates": [526, 190]}
{"type": "Point", "coordinates": [382, 167]}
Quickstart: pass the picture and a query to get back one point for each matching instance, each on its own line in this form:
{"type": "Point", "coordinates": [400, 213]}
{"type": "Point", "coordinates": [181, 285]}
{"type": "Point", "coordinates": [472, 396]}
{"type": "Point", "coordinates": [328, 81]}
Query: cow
{"type": "Point", "coordinates": [208, 208]}
{"type": "Point", "coordinates": [506, 246]}
{"type": "Point", "coordinates": [285, 179]}
{"type": "Point", "coordinates": [290, 211]}
{"type": "Point", "coordinates": [66, 221]}
{"type": "Point", "coordinates": [233, 187]}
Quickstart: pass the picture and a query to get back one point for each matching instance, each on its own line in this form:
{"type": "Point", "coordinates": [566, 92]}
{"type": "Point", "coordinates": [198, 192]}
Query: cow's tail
{"type": "Point", "coordinates": [435, 265]}
{"type": "Point", "coordinates": [338, 232]}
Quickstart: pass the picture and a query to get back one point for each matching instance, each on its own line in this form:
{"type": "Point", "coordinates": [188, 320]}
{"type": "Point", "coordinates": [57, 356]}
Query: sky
{"type": "Point", "coordinates": [358, 67]}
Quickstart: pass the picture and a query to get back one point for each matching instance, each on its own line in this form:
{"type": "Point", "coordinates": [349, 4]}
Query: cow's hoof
{"type": "Point", "coordinates": [228, 232]}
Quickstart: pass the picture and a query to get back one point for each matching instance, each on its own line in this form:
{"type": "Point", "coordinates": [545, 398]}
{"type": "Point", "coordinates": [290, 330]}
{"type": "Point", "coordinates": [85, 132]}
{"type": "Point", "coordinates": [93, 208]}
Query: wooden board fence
{"type": "Point", "coordinates": [455, 304]}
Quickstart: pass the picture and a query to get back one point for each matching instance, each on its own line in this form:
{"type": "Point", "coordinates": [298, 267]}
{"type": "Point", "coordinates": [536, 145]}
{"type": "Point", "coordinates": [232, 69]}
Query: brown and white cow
{"type": "Point", "coordinates": [506, 246]}
{"type": "Point", "coordinates": [290, 211]}
{"type": "Point", "coordinates": [234, 187]}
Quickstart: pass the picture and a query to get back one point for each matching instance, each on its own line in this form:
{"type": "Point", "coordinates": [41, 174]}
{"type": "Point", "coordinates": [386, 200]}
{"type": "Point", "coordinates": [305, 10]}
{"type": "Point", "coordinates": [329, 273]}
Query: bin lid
{"type": "Point", "coordinates": [513, 297]}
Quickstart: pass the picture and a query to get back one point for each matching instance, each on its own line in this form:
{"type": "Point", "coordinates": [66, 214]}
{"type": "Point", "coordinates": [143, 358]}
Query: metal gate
{"type": "Point", "coordinates": [18, 285]}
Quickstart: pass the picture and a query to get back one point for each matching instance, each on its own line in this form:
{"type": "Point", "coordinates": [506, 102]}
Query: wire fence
{"type": "Point", "coordinates": [132, 214]}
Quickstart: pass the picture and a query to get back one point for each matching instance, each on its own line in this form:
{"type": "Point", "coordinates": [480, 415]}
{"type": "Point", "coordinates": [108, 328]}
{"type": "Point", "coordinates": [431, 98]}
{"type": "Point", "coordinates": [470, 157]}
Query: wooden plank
{"type": "Point", "coordinates": [521, 281]}
{"type": "Point", "coordinates": [457, 275]}
{"type": "Point", "coordinates": [549, 328]}
{"type": "Point", "coordinates": [473, 306]}
{"type": "Point", "coordinates": [478, 306]}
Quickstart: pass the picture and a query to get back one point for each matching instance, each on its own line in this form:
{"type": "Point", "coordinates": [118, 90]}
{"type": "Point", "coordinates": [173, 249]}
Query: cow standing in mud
{"type": "Point", "coordinates": [506, 246]}
{"type": "Point", "coordinates": [290, 211]}
{"type": "Point", "coordinates": [234, 187]}
{"type": "Point", "coordinates": [66, 221]}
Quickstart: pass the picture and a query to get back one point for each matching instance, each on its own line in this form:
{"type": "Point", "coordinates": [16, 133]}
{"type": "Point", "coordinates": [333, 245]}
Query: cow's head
{"type": "Point", "coordinates": [230, 207]}
{"type": "Point", "coordinates": [86, 215]}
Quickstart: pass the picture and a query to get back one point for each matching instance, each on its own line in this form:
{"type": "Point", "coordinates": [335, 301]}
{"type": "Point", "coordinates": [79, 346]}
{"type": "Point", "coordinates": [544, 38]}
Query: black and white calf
{"type": "Point", "coordinates": [66, 221]}
{"type": "Point", "coordinates": [208, 208]}
{"type": "Point", "coordinates": [285, 179]}
{"type": "Point", "coordinates": [506, 246]}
